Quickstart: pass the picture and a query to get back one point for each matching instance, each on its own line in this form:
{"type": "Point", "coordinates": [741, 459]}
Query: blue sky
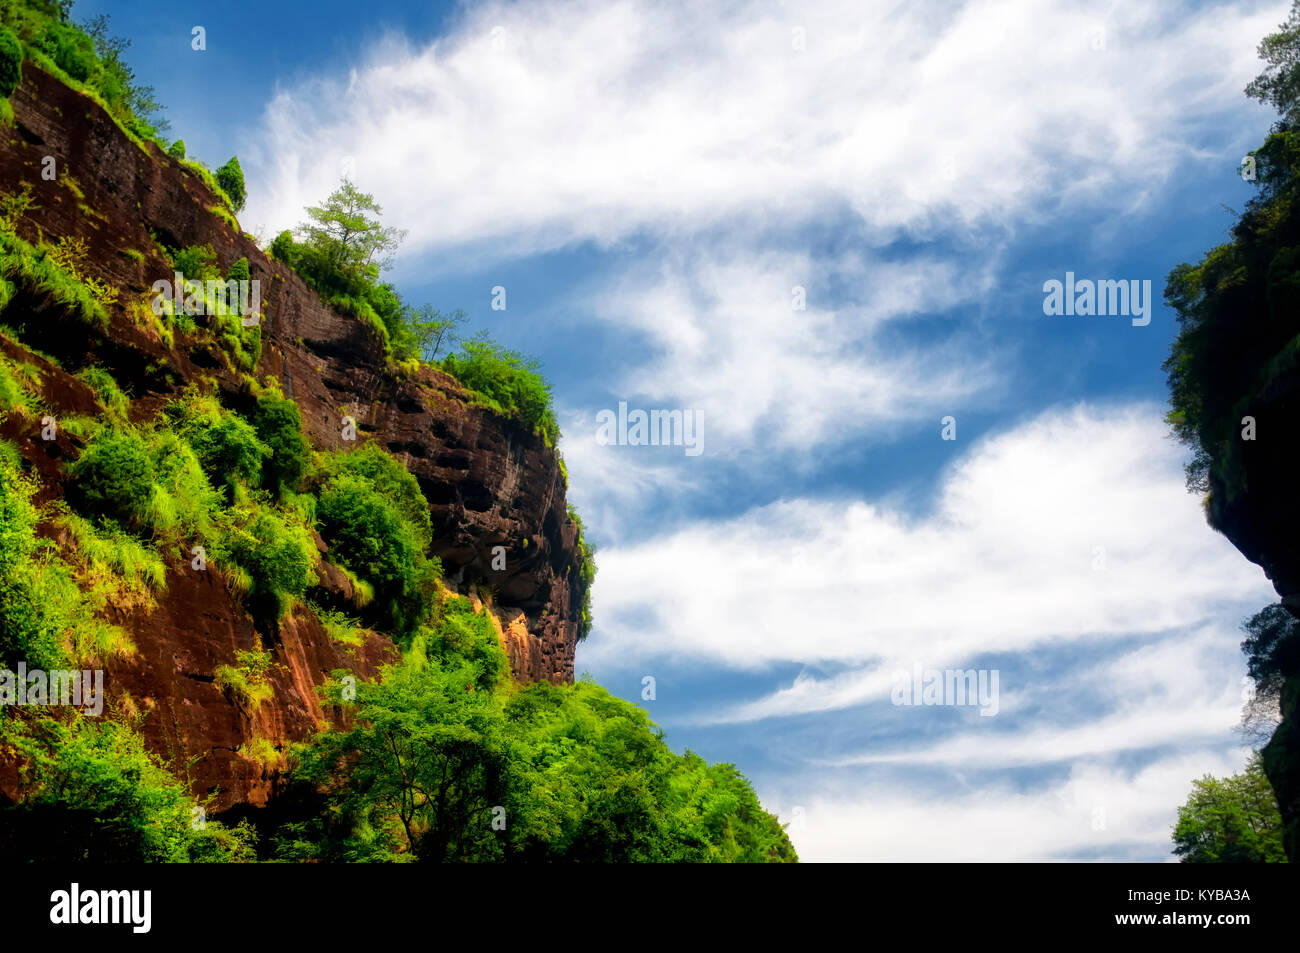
{"type": "Point", "coordinates": [649, 182]}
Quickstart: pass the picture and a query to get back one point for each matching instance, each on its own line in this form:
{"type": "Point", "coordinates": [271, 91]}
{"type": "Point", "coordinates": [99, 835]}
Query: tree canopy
{"type": "Point", "coordinates": [1231, 820]}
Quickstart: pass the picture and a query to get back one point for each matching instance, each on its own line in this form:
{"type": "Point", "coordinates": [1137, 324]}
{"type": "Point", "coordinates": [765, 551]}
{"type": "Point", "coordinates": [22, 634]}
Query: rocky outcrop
{"type": "Point", "coordinates": [490, 482]}
{"type": "Point", "coordinates": [1263, 521]}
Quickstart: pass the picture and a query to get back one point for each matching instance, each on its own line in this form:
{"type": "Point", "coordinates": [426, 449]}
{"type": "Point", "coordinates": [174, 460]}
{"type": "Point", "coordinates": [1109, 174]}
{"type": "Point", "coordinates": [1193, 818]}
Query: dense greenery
{"type": "Point", "coordinates": [376, 521]}
{"type": "Point", "coordinates": [509, 382]}
{"type": "Point", "coordinates": [11, 62]}
{"type": "Point", "coordinates": [92, 793]}
{"type": "Point", "coordinates": [231, 179]}
{"type": "Point", "coordinates": [1239, 308]}
{"type": "Point", "coordinates": [436, 768]}
{"type": "Point", "coordinates": [1230, 820]}
{"type": "Point", "coordinates": [88, 57]}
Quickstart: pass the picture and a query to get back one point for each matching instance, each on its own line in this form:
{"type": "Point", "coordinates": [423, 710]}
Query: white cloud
{"type": "Point", "coordinates": [1099, 811]}
{"type": "Point", "coordinates": [1003, 563]}
{"type": "Point", "coordinates": [599, 121]}
{"type": "Point", "coordinates": [725, 339]}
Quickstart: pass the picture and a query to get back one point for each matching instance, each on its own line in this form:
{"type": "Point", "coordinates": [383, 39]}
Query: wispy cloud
{"type": "Point", "coordinates": [1073, 525]}
{"type": "Point", "coordinates": [534, 125]}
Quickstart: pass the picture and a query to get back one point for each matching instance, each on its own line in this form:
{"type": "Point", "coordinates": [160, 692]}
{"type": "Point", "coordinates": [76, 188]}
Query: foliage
{"type": "Point", "coordinates": [231, 179]}
{"type": "Point", "coordinates": [41, 272]}
{"type": "Point", "coordinates": [339, 626]}
{"type": "Point", "coordinates": [279, 426]}
{"type": "Point", "coordinates": [72, 51]}
{"type": "Point", "coordinates": [394, 482]}
{"type": "Point", "coordinates": [423, 332]}
{"type": "Point", "coordinates": [282, 247]}
{"type": "Point", "coordinates": [1230, 820]}
{"type": "Point", "coordinates": [1239, 308]}
{"type": "Point", "coordinates": [436, 768]}
{"type": "Point", "coordinates": [416, 777]}
{"type": "Point", "coordinates": [367, 533]}
{"type": "Point", "coordinates": [197, 262]}
{"type": "Point", "coordinates": [460, 635]}
{"type": "Point", "coordinates": [245, 682]}
{"type": "Point", "coordinates": [1272, 644]}
{"type": "Point", "coordinates": [510, 383]}
{"type": "Point", "coordinates": [11, 62]}
{"type": "Point", "coordinates": [1279, 84]}
{"type": "Point", "coordinates": [177, 149]}
{"type": "Point", "coordinates": [227, 445]}
{"type": "Point", "coordinates": [92, 793]}
{"type": "Point", "coordinates": [277, 554]}
{"type": "Point", "coordinates": [45, 618]}
{"type": "Point", "coordinates": [343, 243]}
{"type": "Point", "coordinates": [114, 478]}
{"type": "Point", "coordinates": [106, 390]}
{"type": "Point", "coordinates": [90, 58]}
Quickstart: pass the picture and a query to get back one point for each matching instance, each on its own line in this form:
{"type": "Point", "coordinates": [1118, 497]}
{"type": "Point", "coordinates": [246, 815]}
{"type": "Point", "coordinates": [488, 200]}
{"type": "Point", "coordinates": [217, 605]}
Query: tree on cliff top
{"type": "Point", "coordinates": [343, 243]}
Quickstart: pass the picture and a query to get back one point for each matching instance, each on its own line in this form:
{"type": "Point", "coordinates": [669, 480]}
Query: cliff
{"type": "Point", "coordinates": [490, 482]}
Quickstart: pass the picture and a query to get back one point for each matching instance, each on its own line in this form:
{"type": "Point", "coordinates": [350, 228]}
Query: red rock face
{"type": "Point", "coordinates": [489, 481]}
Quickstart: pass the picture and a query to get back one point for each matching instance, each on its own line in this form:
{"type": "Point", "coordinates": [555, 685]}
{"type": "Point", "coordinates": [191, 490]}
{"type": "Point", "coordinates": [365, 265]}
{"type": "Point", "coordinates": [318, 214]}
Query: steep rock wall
{"type": "Point", "coordinates": [489, 481]}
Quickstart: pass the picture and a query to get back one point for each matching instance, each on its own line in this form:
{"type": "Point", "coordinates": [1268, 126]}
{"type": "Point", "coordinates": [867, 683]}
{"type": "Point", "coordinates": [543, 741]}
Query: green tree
{"type": "Point", "coordinates": [1230, 820]}
{"type": "Point", "coordinates": [418, 774]}
{"type": "Point", "coordinates": [345, 241]}
{"type": "Point", "coordinates": [125, 96]}
{"type": "Point", "coordinates": [231, 179]}
{"type": "Point", "coordinates": [282, 248]}
{"type": "Point", "coordinates": [432, 330]}
{"type": "Point", "coordinates": [1279, 84]}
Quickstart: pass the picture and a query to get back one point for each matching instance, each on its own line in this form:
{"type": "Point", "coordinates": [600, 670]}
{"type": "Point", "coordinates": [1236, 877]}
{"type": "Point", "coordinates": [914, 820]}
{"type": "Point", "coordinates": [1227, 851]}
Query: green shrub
{"type": "Point", "coordinates": [227, 445]}
{"type": "Point", "coordinates": [231, 179]}
{"type": "Point", "coordinates": [459, 634]}
{"type": "Point", "coordinates": [239, 271]}
{"type": "Point", "coordinates": [18, 386]}
{"type": "Point", "coordinates": [27, 630]}
{"type": "Point", "coordinates": [177, 149]}
{"type": "Point", "coordinates": [11, 62]}
{"type": "Point", "coordinates": [510, 383]}
{"type": "Point", "coordinates": [282, 248]}
{"type": "Point", "coordinates": [367, 534]}
{"type": "Point", "coordinates": [43, 611]}
{"type": "Point", "coordinates": [245, 681]}
{"type": "Point", "coordinates": [279, 427]}
{"type": "Point", "coordinates": [394, 482]}
{"type": "Point", "coordinates": [114, 478]}
{"type": "Point", "coordinates": [278, 557]}
{"type": "Point", "coordinates": [92, 793]}
{"type": "Point", "coordinates": [71, 50]}
{"type": "Point", "coordinates": [339, 626]}
{"type": "Point", "coordinates": [42, 272]}
{"type": "Point", "coordinates": [197, 263]}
